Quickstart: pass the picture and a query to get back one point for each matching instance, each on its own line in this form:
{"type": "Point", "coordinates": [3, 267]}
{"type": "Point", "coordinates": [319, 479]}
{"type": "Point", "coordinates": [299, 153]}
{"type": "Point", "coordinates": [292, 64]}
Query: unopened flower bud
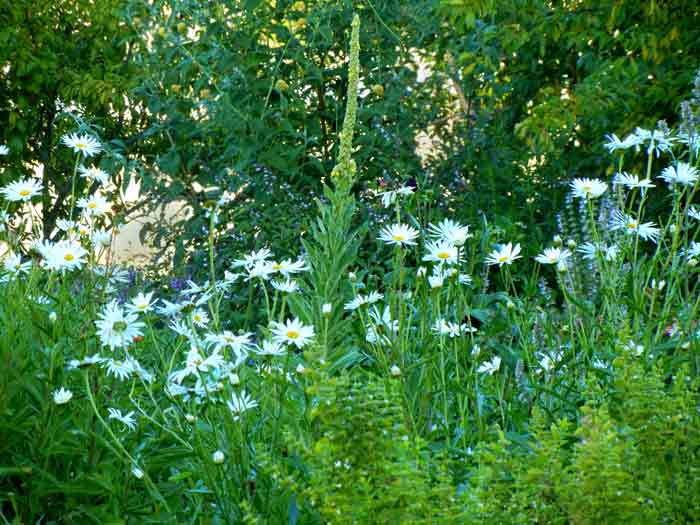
{"type": "Point", "coordinates": [327, 308]}
{"type": "Point", "coordinates": [300, 369]}
{"type": "Point", "coordinates": [557, 240]}
{"type": "Point", "coordinates": [190, 418]}
{"type": "Point", "coordinates": [395, 371]}
{"type": "Point", "coordinates": [53, 317]}
{"type": "Point", "coordinates": [571, 244]}
{"type": "Point", "coordinates": [218, 457]}
{"type": "Point", "coordinates": [137, 472]}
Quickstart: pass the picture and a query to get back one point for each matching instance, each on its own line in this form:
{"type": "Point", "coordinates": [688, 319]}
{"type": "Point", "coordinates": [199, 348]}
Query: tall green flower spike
{"type": "Point", "coordinates": [345, 170]}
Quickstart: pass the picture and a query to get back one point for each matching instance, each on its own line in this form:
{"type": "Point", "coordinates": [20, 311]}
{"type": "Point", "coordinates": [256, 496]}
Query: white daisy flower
{"type": "Point", "coordinates": [240, 344]}
{"type": "Point", "coordinates": [127, 419]}
{"type": "Point", "coordinates": [22, 190]}
{"type": "Point", "coordinates": [84, 144]}
{"type": "Point", "coordinates": [553, 256]}
{"type": "Point", "coordinates": [241, 402]}
{"type": "Point", "coordinates": [260, 270]}
{"type": "Point", "coordinates": [195, 362]}
{"type": "Point", "coordinates": [288, 286]}
{"type": "Point", "coordinates": [450, 231]}
{"type": "Point", "coordinates": [398, 234]}
{"type": "Point", "coordinates": [659, 142]}
{"type": "Point", "coordinates": [588, 188]}
{"type": "Point", "coordinates": [292, 332]}
{"type": "Point", "coordinates": [94, 206]}
{"type": "Point", "coordinates": [122, 370]}
{"type": "Point", "coordinates": [693, 213]}
{"type": "Point", "coordinates": [101, 238]}
{"type": "Point", "coordinates": [117, 329]}
{"type": "Point", "coordinates": [64, 255]}
{"type": "Point", "coordinates": [389, 197]}
{"type": "Point", "coordinates": [270, 348]}
{"type": "Point", "coordinates": [170, 309]}
{"type": "Point", "coordinates": [361, 300]}
{"type": "Point", "coordinates": [93, 173]}
{"type": "Point", "coordinates": [590, 251]}
{"type": "Point", "coordinates": [505, 254]}
{"type": "Point", "coordinates": [4, 150]}
{"type": "Point", "coordinates": [288, 267]}
{"type": "Point", "coordinates": [13, 265]}
{"type": "Point", "coordinates": [631, 181]}
{"type": "Point", "coordinates": [464, 278]}
{"type": "Point", "coordinates": [381, 326]}
{"type": "Point", "coordinates": [490, 367]}
{"type": "Point", "coordinates": [682, 173]}
{"type": "Point", "coordinates": [200, 318]}
{"type": "Point", "coordinates": [62, 396]}
{"type": "Point", "coordinates": [693, 250]}
{"type": "Point", "coordinates": [442, 251]}
{"type": "Point", "coordinates": [255, 256]}
{"type": "Point", "coordinates": [614, 143]}
{"type": "Point", "coordinates": [142, 303]}
{"type": "Point", "coordinates": [632, 226]}
{"type": "Point", "coordinates": [450, 329]}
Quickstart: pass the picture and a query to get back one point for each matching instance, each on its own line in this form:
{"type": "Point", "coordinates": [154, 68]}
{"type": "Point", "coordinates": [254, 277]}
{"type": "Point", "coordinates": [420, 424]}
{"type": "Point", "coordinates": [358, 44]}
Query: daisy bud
{"type": "Point", "coordinates": [378, 90]}
{"type": "Point", "coordinates": [218, 457]}
{"type": "Point", "coordinates": [395, 371]}
{"type": "Point", "coordinates": [352, 276]}
{"type": "Point", "coordinates": [53, 317]}
{"type": "Point", "coordinates": [561, 267]}
{"type": "Point", "coordinates": [190, 418]}
{"type": "Point", "coordinates": [137, 472]}
{"type": "Point", "coordinates": [685, 345]}
{"type": "Point", "coordinates": [672, 228]}
{"type": "Point", "coordinates": [300, 369]}
{"type": "Point", "coordinates": [327, 308]}
{"type": "Point", "coordinates": [557, 240]}
{"type": "Point", "coordinates": [421, 271]}
{"type": "Point", "coordinates": [510, 304]}
{"type": "Point", "coordinates": [692, 262]}
{"type": "Point", "coordinates": [62, 396]}
{"type": "Point", "coordinates": [281, 85]}
{"type": "Point", "coordinates": [476, 350]}
{"type": "Point", "coordinates": [571, 244]}
{"type": "Point", "coordinates": [235, 380]}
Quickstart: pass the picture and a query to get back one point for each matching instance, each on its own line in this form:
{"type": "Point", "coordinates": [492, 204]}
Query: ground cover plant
{"type": "Point", "coordinates": [398, 367]}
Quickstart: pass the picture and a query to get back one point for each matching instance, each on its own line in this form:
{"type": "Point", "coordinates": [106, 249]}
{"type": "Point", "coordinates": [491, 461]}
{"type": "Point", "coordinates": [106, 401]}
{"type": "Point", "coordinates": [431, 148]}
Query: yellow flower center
{"type": "Point", "coordinates": [632, 225]}
{"type": "Point", "coordinates": [69, 257]}
{"type": "Point", "coordinates": [443, 255]}
{"type": "Point", "coordinates": [81, 145]}
{"type": "Point", "coordinates": [292, 334]}
{"type": "Point", "coordinates": [24, 193]}
{"type": "Point", "coordinates": [276, 266]}
{"type": "Point", "coordinates": [399, 237]}
{"type": "Point", "coordinates": [197, 362]}
{"type": "Point", "coordinates": [502, 258]}
{"type": "Point", "coordinates": [92, 205]}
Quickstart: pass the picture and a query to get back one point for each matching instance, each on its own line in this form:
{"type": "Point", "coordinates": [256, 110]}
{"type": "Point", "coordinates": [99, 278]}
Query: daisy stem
{"type": "Point", "coordinates": [147, 479]}
{"type": "Point", "coordinates": [72, 186]}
